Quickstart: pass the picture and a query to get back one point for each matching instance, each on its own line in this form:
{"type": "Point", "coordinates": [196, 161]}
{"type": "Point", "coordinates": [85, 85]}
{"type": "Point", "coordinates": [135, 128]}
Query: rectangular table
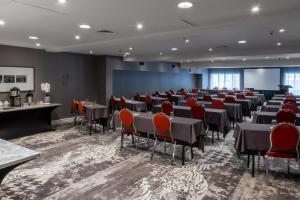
{"type": "Point", "coordinates": [267, 117]}
{"type": "Point", "coordinates": [213, 117]}
{"type": "Point", "coordinates": [133, 105]}
{"type": "Point", "coordinates": [278, 102]}
{"type": "Point", "coordinates": [234, 110]}
{"type": "Point", "coordinates": [188, 131]}
{"type": "Point", "coordinates": [155, 100]}
{"type": "Point", "coordinates": [274, 108]}
{"type": "Point", "coordinates": [282, 98]}
{"type": "Point", "coordinates": [175, 97]}
{"type": "Point", "coordinates": [12, 155]}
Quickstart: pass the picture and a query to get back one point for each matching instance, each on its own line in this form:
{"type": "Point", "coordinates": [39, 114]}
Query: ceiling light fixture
{"type": "Point", "coordinates": [244, 59]}
{"type": "Point", "coordinates": [62, 1]}
{"type": "Point", "coordinates": [281, 30]}
{"type": "Point", "coordinates": [77, 37]}
{"type": "Point", "coordinates": [130, 48]}
{"type": "Point", "coordinates": [185, 4]}
{"type": "Point", "coordinates": [38, 44]}
{"type": "Point", "coordinates": [139, 26]}
{"type": "Point", "coordinates": [267, 57]}
{"type": "Point", "coordinates": [174, 49]}
{"type": "Point", "coordinates": [212, 61]}
{"type": "Point", "coordinates": [210, 49]}
{"type": "Point", "coordinates": [187, 41]}
{"type": "Point", "coordinates": [84, 26]}
{"type": "Point", "coordinates": [33, 37]}
{"type": "Point", "coordinates": [161, 53]}
{"type": "Point", "coordinates": [287, 58]}
{"type": "Point", "coordinates": [126, 54]}
{"type": "Point", "coordinates": [2, 22]}
{"type": "Point", "coordinates": [255, 9]}
{"type": "Point", "coordinates": [278, 43]}
{"type": "Point", "coordinates": [242, 42]}
{"type": "Point", "coordinates": [91, 52]}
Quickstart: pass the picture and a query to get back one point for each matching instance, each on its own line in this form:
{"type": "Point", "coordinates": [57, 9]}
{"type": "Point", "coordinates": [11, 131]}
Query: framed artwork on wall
{"type": "Point", "coordinates": [20, 77]}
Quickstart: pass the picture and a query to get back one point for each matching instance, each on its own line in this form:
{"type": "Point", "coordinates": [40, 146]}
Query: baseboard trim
{"type": "Point", "coordinates": [62, 121]}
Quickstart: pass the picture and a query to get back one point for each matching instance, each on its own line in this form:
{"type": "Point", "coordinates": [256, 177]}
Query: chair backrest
{"type": "Point", "coordinates": [284, 138]}
{"type": "Point", "coordinates": [240, 96]}
{"type": "Point", "coordinates": [288, 100]}
{"type": "Point", "coordinates": [169, 96]}
{"type": "Point", "coordinates": [149, 99]}
{"type": "Point", "coordinates": [290, 97]}
{"type": "Point", "coordinates": [195, 90]}
{"type": "Point", "coordinates": [157, 93]}
{"type": "Point", "coordinates": [167, 107]}
{"type": "Point", "coordinates": [191, 102]}
{"type": "Point", "coordinates": [229, 99]}
{"type": "Point", "coordinates": [80, 108]}
{"type": "Point", "coordinates": [221, 95]}
{"type": "Point", "coordinates": [286, 116]}
{"type": "Point", "coordinates": [198, 112]}
{"type": "Point", "coordinates": [249, 94]}
{"type": "Point", "coordinates": [137, 97]}
{"type": "Point", "coordinates": [123, 102]}
{"type": "Point", "coordinates": [172, 92]}
{"type": "Point", "coordinates": [290, 106]}
{"type": "Point", "coordinates": [183, 93]}
{"type": "Point", "coordinates": [207, 98]}
{"type": "Point", "coordinates": [73, 106]}
{"type": "Point", "coordinates": [127, 120]}
{"type": "Point", "coordinates": [218, 104]}
{"type": "Point", "coordinates": [231, 93]}
{"type": "Point", "coordinates": [162, 125]}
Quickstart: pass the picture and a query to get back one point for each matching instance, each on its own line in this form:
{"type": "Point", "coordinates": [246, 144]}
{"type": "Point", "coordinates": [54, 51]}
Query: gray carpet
{"type": "Point", "coordinates": [75, 165]}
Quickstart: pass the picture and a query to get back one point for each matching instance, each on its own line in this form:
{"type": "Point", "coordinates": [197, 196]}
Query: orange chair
{"type": "Point", "coordinates": [191, 102]}
{"type": "Point", "coordinates": [82, 114]}
{"type": "Point", "coordinates": [284, 141]}
{"type": "Point", "coordinates": [240, 96]}
{"type": "Point", "coordinates": [198, 112]}
{"type": "Point", "coordinates": [149, 102]}
{"type": "Point", "coordinates": [167, 108]}
{"type": "Point", "coordinates": [128, 127]}
{"type": "Point", "coordinates": [162, 126]}
{"type": "Point", "coordinates": [286, 116]}
{"type": "Point", "coordinates": [229, 99]}
{"type": "Point", "coordinates": [123, 102]}
{"type": "Point", "coordinates": [74, 110]}
{"type": "Point", "coordinates": [207, 98]}
{"type": "Point", "coordinates": [249, 94]}
{"type": "Point", "coordinates": [221, 96]}
{"type": "Point", "coordinates": [290, 106]}
{"type": "Point", "coordinates": [218, 104]}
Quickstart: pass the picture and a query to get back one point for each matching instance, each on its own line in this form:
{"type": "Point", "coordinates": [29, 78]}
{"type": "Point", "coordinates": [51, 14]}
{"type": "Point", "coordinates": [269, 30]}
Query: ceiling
{"type": "Point", "coordinates": [216, 24]}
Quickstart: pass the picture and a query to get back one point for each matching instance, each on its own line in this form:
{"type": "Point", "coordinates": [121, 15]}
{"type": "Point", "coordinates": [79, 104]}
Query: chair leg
{"type": "Point", "coordinates": [183, 154]}
{"type": "Point", "coordinates": [267, 166]}
{"type": "Point", "coordinates": [173, 155]}
{"type": "Point", "coordinates": [132, 138]}
{"type": "Point", "coordinates": [212, 136]}
{"type": "Point", "coordinates": [288, 165]}
{"type": "Point", "coordinates": [148, 141]}
{"type": "Point", "coordinates": [192, 153]}
{"type": "Point", "coordinates": [253, 164]}
{"type": "Point", "coordinates": [154, 148]}
{"type": "Point", "coordinates": [122, 139]}
{"type": "Point", "coordinates": [248, 160]}
{"type": "Point", "coordinates": [165, 147]}
{"type": "Point", "coordinates": [218, 136]}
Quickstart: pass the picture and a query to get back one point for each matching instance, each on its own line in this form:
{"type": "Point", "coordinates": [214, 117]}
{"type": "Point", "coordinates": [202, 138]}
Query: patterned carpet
{"type": "Point", "coordinates": [75, 165]}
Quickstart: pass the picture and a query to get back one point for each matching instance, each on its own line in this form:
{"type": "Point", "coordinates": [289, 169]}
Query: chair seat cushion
{"type": "Point", "coordinates": [281, 155]}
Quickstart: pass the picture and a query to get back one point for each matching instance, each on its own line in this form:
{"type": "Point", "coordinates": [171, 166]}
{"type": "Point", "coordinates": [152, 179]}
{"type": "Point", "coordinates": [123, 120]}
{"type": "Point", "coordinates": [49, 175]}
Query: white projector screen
{"type": "Point", "coordinates": [262, 79]}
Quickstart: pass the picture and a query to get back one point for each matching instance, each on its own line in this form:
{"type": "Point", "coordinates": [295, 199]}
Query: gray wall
{"type": "Point", "coordinates": [79, 71]}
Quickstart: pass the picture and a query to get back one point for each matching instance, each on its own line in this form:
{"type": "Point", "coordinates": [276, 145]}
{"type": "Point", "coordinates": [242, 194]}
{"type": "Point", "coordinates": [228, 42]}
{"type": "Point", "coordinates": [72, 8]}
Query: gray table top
{"type": "Point", "coordinates": [31, 107]}
{"type": "Point", "coordinates": [12, 154]}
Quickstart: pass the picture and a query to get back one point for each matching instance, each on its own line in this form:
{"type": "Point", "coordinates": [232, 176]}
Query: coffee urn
{"type": "Point", "coordinates": [15, 97]}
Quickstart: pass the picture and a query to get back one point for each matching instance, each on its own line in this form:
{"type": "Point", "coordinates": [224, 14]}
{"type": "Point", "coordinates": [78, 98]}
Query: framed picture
{"type": "Point", "coordinates": [20, 77]}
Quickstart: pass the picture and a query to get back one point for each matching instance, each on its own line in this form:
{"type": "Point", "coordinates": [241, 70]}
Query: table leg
{"type": "Point", "coordinates": [183, 154]}
{"type": "Point", "coordinates": [253, 164]}
{"type": "Point", "coordinates": [5, 171]}
{"type": "Point", "coordinates": [248, 160]}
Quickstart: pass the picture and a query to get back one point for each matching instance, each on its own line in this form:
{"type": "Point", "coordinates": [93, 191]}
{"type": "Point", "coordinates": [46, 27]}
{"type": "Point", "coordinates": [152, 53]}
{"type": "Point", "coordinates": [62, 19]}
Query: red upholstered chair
{"type": "Point", "coordinates": [240, 96]}
{"type": "Point", "coordinates": [82, 115]}
{"type": "Point", "coordinates": [169, 96]}
{"type": "Point", "coordinates": [137, 97]}
{"type": "Point", "coordinates": [288, 100]}
{"type": "Point", "coordinates": [162, 125]}
{"type": "Point", "coordinates": [167, 108]}
{"type": "Point", "coordinates": [74, 110]}
{"type": "Point", "coordinates": [284, 141]}
{"type": "Point", "coordinates": [290, 97]}
{"type": "Point", "coordinates": [195, 90]}
{"type": "Point", "coordinates": [157, 93]}
{"type": "Point", "coordinates": [286, 116]}
{"type": "Point", "coordinates": [172, 92]}
{"type": "Point", "coordinates": [191, 102]}
{"type": "Point", "coordinates": [218, 104]}
{"type": "Point", "coordinates": [128, 127]}
{"type": "Point", "coordinates": [221, 96]}
{"type": "Point", "coordinates": [207, 98]}
{"type": "Point", "coordinates": [229, 99]}
{"type": "Point", "coordinates": [123, 102]}
{"type": "Point", "coordinates": [231, 93]}
{"type": "Point", "coordinates": [149, 102]}
{"type": "Point", "coordinates": [183, 93]}
{"type": "Point", "coordinates": [249, 94]}
{"type": "Point", "coordinates": [198, 112]}
{"type": "Point", "coordinates": [290, 106]}
{"type": "Point", "coordinates": [113, 103]}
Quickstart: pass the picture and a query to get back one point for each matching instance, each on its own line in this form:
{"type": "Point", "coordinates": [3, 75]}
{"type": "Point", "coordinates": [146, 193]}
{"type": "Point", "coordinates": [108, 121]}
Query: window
{"type": "Point", "coordinates": [228, 81]}
{"type": "Point", "coordinates": [293, 79]}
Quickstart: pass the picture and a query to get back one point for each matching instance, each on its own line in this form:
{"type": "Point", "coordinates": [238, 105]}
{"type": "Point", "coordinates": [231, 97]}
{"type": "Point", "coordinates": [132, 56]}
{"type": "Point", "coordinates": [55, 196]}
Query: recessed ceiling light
{"type": "Point", "coordinates": [126, 54]}
{"type": "Point", "coordinates": [187, 40]}
{"type": "Point", "coordinates": [84, 26]}
{"type": "Point", "coordinates": [267, 57]}
{"type": "Point", "coordinates": [161, 53]}
{"type": "Point", "coordinates": [174, 49]}
{"type": "Point", "coordinates": [33, 37]}
{"type": "Point", "coordinates": [139, 26]}
{"type": "Point", "coordinates": [212, 61]}
{"type": "Point", "coordinates": [130, 48]}
{"type": "Point", "coordinates": [62, 1]}
{"type": "Point", "coordinates": [210, 49]}
{"type": "Point", "coordinates": [281, 30]}
{"type": "Point", "coordinates": [77, 37]}
{"type": "Point", "coordinates": [185, 4]}
{"type": "Point", "coordinates": [2, 22]}
{"type": "Point", "coordinates": [278, 43]}
{"type": "Point", "coordinates": [244, 59]}
{"type": "Point", "coordinates": [91, 52]}
{"type": "Point", "coordinates": [38, 44]}
{"type": "Point", "coordinates": [287, 58]}
{"type": "Point", "coordinates": [255, 9]}
{"type": "Point", "coordinates": [242, 42]}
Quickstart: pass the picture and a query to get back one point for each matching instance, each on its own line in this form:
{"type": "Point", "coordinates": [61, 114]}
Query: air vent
{"type": "Point", "coordinates": [105, 31]}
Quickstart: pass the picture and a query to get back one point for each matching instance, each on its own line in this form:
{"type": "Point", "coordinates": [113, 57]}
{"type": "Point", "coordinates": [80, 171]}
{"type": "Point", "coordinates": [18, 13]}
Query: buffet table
{"type": "Point", "coordinates": [26, 120]}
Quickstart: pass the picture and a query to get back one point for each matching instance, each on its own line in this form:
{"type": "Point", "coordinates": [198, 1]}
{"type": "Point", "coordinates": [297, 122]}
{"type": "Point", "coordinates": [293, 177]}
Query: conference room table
{"type": "Point", "coordinates": [175, 97]}
{"type": "Point", "coordinates": [262, 117]}
{"type": "Point", "coordinates": [274, 108]}
{"type": "Point", "coordinates": [283, 95]}
{"type": "Point", "coordinates": [187, 131]}
{"type": "Point", "coordinates": [253, 99]}
{"type": "Point", "coordinates": [202, 93]}
{"type": "Point", "coordinates": [282, 98]}
{"type": "Point", "coordinates": [234, 110]}
{"type": "Point", "coordinates": [277, 102]}
{"type": "Point", "coordinates": [245, 103]}
{"type": "Point", "coordinates": [252, 138]}
{"type": "Point", "coordinates": [155, 100]}
{"type": "Point", "coordinates": [132, 105]}
{"type": "Point", "coordinates": [213, 117]}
